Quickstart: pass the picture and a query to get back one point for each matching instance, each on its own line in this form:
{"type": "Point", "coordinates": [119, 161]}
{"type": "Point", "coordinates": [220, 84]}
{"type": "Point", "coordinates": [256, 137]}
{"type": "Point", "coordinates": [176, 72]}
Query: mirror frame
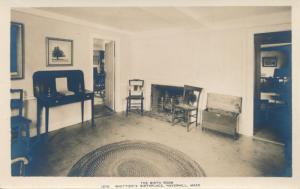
{"type": "Point", "coordinates": [19, 73]}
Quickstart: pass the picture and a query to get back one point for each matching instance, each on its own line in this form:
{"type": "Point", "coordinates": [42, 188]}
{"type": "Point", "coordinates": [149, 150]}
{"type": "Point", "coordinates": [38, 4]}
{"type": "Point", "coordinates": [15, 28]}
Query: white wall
{"type": "Point", "coordinates": [36, 30]}
{"type": "Point", "coordinates": [99, 44]}
{"type": "Point", "coordinates": [220, 61]}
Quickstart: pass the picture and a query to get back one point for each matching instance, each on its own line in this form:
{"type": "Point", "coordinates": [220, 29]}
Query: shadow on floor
{"type": "Point", "coordinates": [101, 111]}
{"type": "Point", "coordinates": [268, 134]}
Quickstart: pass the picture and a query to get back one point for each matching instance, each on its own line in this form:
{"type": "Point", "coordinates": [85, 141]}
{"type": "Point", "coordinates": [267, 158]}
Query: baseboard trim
{"type": "Point", "coordinates": [269, 141]}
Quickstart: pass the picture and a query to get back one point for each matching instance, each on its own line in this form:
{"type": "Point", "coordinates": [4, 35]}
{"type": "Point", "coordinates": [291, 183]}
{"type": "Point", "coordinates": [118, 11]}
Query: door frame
{"type": "Point", "coordinates": [260, 39]}
{"type": "Point", "coordinates": [248, 68]}
{"type": "Point", "coordinates": [117, 78]}
{"type": "Point", "coordinates": [114, 83]}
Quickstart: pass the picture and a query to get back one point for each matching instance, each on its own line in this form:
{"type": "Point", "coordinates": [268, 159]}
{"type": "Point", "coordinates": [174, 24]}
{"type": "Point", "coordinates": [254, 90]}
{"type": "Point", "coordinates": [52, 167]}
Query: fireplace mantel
{"type": "Point", "coordinates": [166, 85]}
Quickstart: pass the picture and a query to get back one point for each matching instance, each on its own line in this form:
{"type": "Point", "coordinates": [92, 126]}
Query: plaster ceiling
{"type": "Point", "coordinates": [139, 19]}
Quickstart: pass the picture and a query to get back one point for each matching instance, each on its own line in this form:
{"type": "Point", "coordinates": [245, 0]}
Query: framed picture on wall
{"type": "Point", "coordinates": [16, 50]}
{"type": "Point", "coordinates": [59, 52]}
{"type": "Point", "coordinates": [269, 61]}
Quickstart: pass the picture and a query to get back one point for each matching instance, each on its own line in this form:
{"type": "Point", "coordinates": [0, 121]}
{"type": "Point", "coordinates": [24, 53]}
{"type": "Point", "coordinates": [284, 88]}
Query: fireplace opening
{"type": "Point", "coordinates": [163, 98]}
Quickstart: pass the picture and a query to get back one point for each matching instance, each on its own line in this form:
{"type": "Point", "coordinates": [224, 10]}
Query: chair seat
{"type": "Point", "coordinates": [185, 107]}
{"type": "Point", "coordinates": [135, 97]}
{"type": "Point", "coordinates": [16, 103]}
{"type": "Point", "coordinates": [16, 121]}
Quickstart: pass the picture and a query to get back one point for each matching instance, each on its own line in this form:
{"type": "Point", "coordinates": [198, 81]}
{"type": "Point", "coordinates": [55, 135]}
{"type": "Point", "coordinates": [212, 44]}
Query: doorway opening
{"type": "Point", "coordinates": [273, 90]}
{"type": "Point", "coordinates": [103, 76]}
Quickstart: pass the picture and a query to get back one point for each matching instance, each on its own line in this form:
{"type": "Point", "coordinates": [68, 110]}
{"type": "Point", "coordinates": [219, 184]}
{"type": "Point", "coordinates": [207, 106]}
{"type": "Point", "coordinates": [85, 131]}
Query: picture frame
{"type": "Point", "coordinates": [16, 51]}
{"type": "Point", "coordinates": [270, 61]}
{"type": "Point", "coordinates": [59, 51]}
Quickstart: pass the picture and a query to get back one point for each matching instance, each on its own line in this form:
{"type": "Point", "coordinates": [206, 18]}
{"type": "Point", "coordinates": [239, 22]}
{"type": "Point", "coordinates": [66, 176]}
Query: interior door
{"type": "Point", "coordinates": [272, 82]}
{"type": "Point", "coordinates": [109, 67]}
{"type": "Point", "coordinates": [273, 88]}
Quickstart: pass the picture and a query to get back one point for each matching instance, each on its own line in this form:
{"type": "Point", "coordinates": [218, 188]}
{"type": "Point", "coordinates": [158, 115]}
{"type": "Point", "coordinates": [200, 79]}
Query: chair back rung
{"type": "Point", "coordinates": [17, 103]}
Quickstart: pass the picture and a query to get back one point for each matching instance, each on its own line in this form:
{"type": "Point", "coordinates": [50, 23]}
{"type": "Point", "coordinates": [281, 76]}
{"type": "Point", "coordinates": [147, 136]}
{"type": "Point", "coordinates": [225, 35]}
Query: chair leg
{"type": "Point", "coordinates": [142, 107]}
{"type": "Point", "coordinates": [27, 137]}
{"type": "Point", "coordinates": [126, 107]}
{"type": "Point", "coordinates": [173, 116]}
{"type": "Point", "coordinates": [129, 105]}
{"type": "Point", "coordinates": [197, 118]}
{"type": "Point", "coordinates": [188, 120]}
{"type": "Point", "coordinates": [19, 135]}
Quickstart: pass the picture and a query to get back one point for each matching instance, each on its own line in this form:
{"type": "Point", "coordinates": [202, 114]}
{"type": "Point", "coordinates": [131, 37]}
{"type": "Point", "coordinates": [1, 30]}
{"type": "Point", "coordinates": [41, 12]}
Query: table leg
{"type": "Point", "coordinates": [82, 112]}
{"type": "Point", "coordinates": [38, 119]}
{"type": "Point", "coordinates": [47, 120]}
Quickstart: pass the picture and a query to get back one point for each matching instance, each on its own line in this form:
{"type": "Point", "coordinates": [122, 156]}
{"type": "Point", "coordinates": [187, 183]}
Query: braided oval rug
{"type": "Point", "coordinates": [136, 159]}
